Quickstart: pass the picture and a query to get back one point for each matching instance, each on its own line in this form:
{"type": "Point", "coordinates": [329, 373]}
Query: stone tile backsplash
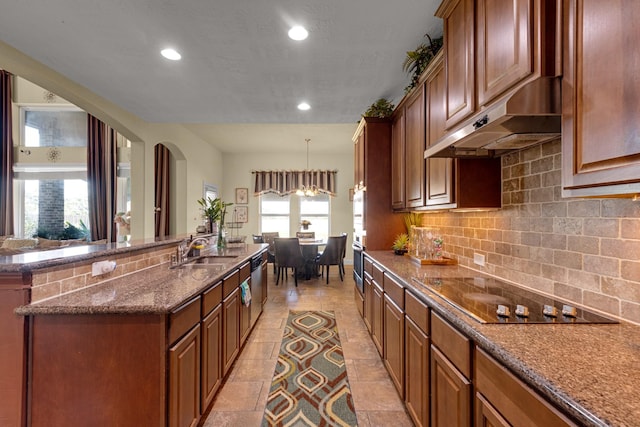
{"type": "Point", "coordinates": [51, 282]}
{"type": "Point", "coordinates": [586, 251]}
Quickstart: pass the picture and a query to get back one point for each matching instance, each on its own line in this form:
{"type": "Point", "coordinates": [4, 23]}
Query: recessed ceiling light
{"type": "Point", "coordinates": [171, 54]}
{"type": "Point", "coordinates": [298, 33]}
{"type": "Point", "coordinates": [304, 106]}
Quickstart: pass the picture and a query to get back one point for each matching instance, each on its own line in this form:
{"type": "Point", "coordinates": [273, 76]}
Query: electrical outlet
{"type": "Point", "coordinates": [478, 259]}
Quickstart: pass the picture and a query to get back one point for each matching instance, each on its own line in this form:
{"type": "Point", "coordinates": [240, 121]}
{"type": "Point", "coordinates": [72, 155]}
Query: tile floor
{"type": "Point", "coordinates": [242, 399]}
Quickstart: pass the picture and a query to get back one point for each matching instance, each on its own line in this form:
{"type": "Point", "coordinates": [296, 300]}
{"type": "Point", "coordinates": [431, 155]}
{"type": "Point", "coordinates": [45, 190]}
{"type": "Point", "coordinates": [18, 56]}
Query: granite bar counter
{"type": "Point", "coordinates": [590, 371]}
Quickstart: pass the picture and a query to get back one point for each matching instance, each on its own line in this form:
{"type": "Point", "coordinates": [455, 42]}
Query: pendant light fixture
{"type": "Point", "coordinates": [309, 190]}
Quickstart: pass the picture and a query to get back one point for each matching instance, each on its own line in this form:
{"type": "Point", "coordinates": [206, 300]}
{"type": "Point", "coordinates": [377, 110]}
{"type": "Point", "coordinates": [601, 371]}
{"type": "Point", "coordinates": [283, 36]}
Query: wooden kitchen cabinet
{"type": "Point", "coordinates": [459, 46]}
{"type": "Point", "coordinates": [394, 343]}
{"type": "Point", "coordinates": [231, 329]}
{"type": "Point", "coordinates": [414, 148]}
{"type": "Point", "coordinates": [211, 364]}
{"type": "Point", "coordinates": [368, 301]}
{"type": "Point", "coordinates": [359, 160]}
{"type": "Point", "coordinates": [398, 159]}
{"type": "Point", "coordinates": [439, 171]}
{"type": "Point", "coordinates": [492, 47]}
{"type": "Point", "coordinates": [245, 310]}
{"type": "Point", "coordinates": [184, 382]}
{"type": "Point", "coordinates": [502, 399]}
{"type": "Point", "coordinates": [600, 93]}
{"type": "Point", "coordinates": [377, 313]}
{"type": "Point", "coordinates": [416, 396]}
{"type": "Point", "coordinates": [450, 375]}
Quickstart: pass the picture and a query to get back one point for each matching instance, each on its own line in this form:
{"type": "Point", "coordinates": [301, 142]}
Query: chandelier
{"type": "Point", "coordinates": [309, 190]}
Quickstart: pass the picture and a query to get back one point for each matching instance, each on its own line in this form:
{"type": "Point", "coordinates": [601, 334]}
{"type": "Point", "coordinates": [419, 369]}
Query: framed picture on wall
{"type": "Point", "coordinates": [242, 196]}
{"type": "Point", "coordinates": [242, 213]}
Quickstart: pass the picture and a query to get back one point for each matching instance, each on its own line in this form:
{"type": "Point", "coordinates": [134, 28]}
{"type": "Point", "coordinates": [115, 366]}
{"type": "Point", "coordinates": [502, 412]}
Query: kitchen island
{"type": "Point", "coordinates": [585, 374]}
{"type": "Point", "coordinates": [132, 346]}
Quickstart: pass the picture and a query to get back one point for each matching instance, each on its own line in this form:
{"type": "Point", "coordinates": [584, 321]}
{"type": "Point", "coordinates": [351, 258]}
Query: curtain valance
{"type": "Point", "coordinates": [287, 182]}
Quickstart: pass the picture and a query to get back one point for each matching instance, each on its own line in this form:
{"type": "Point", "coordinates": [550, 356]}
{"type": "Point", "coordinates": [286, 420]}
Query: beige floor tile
{"type": "Point", "coordinates": [243, 397]}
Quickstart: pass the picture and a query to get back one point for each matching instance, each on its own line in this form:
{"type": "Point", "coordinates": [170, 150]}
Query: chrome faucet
{"type": "Point", "coordinates": [187, 245]}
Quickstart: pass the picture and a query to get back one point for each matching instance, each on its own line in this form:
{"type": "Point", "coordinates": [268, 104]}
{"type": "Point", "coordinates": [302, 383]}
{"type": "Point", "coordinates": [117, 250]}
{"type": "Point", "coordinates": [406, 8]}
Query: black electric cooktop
{"type": "Point", "coordinates": [490, 300]}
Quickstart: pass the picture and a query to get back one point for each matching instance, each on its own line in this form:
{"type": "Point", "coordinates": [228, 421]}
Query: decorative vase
{"type": "Point", "coordinates": [222, 236]}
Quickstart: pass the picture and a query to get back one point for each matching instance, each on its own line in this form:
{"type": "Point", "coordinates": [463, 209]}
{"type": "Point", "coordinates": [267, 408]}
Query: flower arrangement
{"type": "Point", "coordinates": [305, 224]}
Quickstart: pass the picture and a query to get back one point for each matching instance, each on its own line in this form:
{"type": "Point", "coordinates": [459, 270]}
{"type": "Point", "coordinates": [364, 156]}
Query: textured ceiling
{"type": "Point", "coordinates": [238, 65]}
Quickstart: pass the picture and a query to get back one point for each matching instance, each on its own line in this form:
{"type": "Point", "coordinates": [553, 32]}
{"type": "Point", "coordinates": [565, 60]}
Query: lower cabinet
{"type": "Point", "coordinates": [184, 381]}
{"type": "Point", "coordinates": [245, 321]}
{"type": "Point", "coordinates": [503, 400]}
{"type": "Point", "coordinates": [231, 333]}
{"type": "Point", "coordinates": [450, 393]}
{"type": "Point", "coordinates": [376, 321]}
{"type": "Point", "coordinates": [394, 343]}
{"type": "Point", "coordinates": [368, 302]}
{"type": "Point", "coordinates": [416, 356]}
{"type": "Point", "coordinates": [211, 352]}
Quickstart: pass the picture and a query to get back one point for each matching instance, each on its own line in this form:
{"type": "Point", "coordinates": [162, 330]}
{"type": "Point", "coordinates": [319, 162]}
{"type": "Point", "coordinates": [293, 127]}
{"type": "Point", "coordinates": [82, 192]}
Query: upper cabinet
{"type": "Point", "coordinates": [358, 164]}
{"type": "Point", "coordinates": [601, 107]}
{"type": "Point", "coordinates": [457, 18]}
{"type": "Point", "coordinates": [506, 42]}
{"type": "Point", "coordinates": [397, 160]}
{"type": "Point", "coordinates": [414, 128]}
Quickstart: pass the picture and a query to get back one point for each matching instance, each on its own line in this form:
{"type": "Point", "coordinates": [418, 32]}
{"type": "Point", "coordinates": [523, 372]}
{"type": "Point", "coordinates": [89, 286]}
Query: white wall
{"type": "Point", "coordinates": [237, 173]}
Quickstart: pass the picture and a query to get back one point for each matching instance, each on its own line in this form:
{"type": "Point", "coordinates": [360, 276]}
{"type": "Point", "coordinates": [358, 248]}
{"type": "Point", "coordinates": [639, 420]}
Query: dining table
{"type": "Point", "coordinates": [309, 248]}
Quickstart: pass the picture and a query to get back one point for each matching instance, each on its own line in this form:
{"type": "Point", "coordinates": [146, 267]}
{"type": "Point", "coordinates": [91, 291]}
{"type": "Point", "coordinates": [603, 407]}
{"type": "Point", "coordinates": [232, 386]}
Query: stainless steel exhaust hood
{"type": "Point", "coordinates": [531, 115]}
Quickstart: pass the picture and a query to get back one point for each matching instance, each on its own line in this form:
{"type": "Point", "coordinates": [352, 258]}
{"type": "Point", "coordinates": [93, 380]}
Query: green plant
{"type": "Point", "coordinates": [417, 60]}
{"type": "Point", "coordinates": [214, 209]}
{"type": "Point", "coordinates": [381, 109]}
{"type": "Point", "coordinates": [412, 218]}
{"type": "Point", "coordinates": [401, 242]}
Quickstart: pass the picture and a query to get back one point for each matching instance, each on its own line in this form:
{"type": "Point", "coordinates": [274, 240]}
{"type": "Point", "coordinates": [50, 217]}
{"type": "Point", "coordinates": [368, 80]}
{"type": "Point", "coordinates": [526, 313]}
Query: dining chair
{"type": "Point", "coordinates": [257, 238]}
{"type": "Point", "coordinates": [269, 237]}
{"type": "Point", "coordinates": [332, 255]}
{"type": "Point", "coordinates": [306, 234]}
{"type": "Point", "coordinates": [288, 255]}
{"type": "Point", "coordinates": [344, 251]}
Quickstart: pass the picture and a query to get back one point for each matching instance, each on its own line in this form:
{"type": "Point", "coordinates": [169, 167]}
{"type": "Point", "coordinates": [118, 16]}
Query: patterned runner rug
{"type": "Point", "coordinates": [310, 385]}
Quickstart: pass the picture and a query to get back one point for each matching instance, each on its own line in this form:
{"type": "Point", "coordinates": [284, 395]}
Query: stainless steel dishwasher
{"type": "Point", "coordinates": [256, 288]}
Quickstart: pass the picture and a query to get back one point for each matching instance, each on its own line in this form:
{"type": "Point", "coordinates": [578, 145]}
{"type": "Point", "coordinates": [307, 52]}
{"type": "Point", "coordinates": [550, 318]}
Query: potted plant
{"type": "Point", "coordinates": [417, 60]}
{"type": "Point", "coordinates": [305, 224]}
{"type": "Point", "coordinates": [400, 244]}
{"type": "Point", "coordinates": [380, 109]}
{"type": "Point", "coordinates": [215, 210]}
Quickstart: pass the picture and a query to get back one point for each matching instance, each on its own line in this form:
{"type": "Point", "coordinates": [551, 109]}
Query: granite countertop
{"type": "Point", "coordinates": [155, 290]}
{"type": "Point", "coordinates": [37, 259]}
{"type": "Point", "coordinates": [591, 371]}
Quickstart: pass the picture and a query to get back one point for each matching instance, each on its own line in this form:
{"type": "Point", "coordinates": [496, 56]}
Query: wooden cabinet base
{"type": "Point", "coordinates": [77, 365]}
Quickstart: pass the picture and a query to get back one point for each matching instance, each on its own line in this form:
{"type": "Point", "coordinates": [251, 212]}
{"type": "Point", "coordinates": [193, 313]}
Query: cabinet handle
{"type": "Point", "coordinates": [481, 122]}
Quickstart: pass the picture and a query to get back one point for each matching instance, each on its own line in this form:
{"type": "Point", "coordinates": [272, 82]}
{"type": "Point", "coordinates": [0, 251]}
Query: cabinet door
{"type": "Point", "coordinates": [397, 160]}
{"type": "Point", "coordinates": [439, 171]}
{"type": "Point", "coordinates": [601, 99]}
{"type": "Point", "coordinates": [184, 383]}
{"type": "Point", "coordinates": [368, 303]}
{"type": "Point", "coordinates": [245, 320]}
{"type": "Point", "coordinates": [376, 321]}
{"type": "Point", "coordinates": [504, 46]}
{"type": "Point", "coordinates": [487, 415]}
{"type": "Point", "coordinates": [414, 149]}
{"type": "Point", "coordinates": [450, 393]}
{"type": "Point", "coordinates": [416, 395]}
{"type": "Point", "coordinates": [211, 352]}
{"type": "Point", "coordinates": [359, 162]}
{"type": "Point", "coordinates": [231, 329]}
{"type": "Point", "coordinates": [394, 343]}
{"type": "Point", "coordinates": [458, 29]}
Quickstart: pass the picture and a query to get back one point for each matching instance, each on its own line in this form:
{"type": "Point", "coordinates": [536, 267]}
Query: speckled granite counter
{"type": "Point", "coordinates": [590, 371]}
{"type": "Point", "coordinates": [155, 290]}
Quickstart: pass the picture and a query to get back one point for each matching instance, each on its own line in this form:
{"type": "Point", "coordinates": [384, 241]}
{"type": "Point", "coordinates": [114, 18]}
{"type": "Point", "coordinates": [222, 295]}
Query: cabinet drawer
{"type": "Point", "coordinates": [184, 318]}
{"type": "Point", "coordinates": [452, 343]}
{"type": "Point", "coordinates": [230, 283]}
{"type": "Point", "coordinates": [394, 290]}
{"type": "Point", "coordinates": [378, 274]}
{"type": "Point", "coordinates": [515, 401]}
{"type": "Point", "coordinates": [417, 311]}
{"type": "Point", "coordinates": [245, 271]}
{"type": "Point", "coordinates": [211, 298]}
{"type": "Point", "coordinates": [368, 265]}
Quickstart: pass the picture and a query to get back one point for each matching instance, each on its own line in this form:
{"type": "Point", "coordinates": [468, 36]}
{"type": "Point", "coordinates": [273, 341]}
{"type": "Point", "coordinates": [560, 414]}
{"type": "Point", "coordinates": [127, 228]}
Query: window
{"type": "Point", "coordinates": [316, 211]}
{"type": "Point", "coordinates": [49, 127]}
{"type": "Point", "coordinates": [274, 213]}
{"type": "Point", "coordinates": [284, 214]}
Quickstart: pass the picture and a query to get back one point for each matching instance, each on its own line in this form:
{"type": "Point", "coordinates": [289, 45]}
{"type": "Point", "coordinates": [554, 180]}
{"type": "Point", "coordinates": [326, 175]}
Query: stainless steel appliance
{"type": "Point", "coordinates": [358, 265]}
{"type": "Point", "coordinates": [490, 300]}
{"type": "Point", "coordinates": [256, 288]}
